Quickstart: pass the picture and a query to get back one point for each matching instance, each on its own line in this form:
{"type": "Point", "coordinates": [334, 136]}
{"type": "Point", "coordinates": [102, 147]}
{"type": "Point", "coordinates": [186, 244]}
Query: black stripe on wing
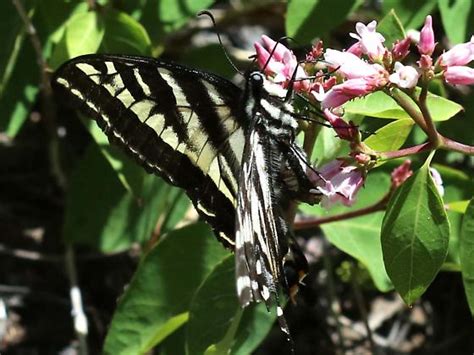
{"type": "Point", "coordinates": [181, 124]}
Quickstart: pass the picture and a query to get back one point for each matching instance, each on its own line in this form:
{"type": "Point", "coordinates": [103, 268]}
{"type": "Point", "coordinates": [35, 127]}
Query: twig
{"type": "Point", "coordinates": [53, 258]}
{"type": "Point", "coordinates": [431, 128]}
{"type": "Point", "coordinates": [360, 304]}
{"type": "Point", "coordinates": [49, 112]}
{"type": "Point", "coordinates": [409, 108]}
{"type": "Point", "coordinates": [334, 307]}
{"type": "Point", "coordinates": [417, 149]}
{"type": "Point", "coordinates": [80, 319]}
{"type": "Point", "coordinates": [314, 222]}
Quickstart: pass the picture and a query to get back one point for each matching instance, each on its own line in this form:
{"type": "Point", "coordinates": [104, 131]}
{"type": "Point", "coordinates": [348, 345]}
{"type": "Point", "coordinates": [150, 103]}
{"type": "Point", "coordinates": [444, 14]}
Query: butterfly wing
{"type": "Point", "coordinates": [181, 124]}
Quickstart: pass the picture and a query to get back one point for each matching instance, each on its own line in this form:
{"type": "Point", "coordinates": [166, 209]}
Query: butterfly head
{"type": "Point", "coordinates": [256, 81]}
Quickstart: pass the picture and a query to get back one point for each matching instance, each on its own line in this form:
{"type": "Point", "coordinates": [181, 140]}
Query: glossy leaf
{"type": "Point", "coordinates": [18, 70]}
{"type": "Point", "coordinates": [12, 34]}
{"type": "Point", "coordinates": [217, 323]}
{"type": "Point", "coordinates": [84, 33]}
{"type": "Point", "coordinates": [381, 105]}
{"type": "Point", "coordinates": [123, 34]}
{"type": "Point", "coordinates": [466, 254]}
{"type": "Point", "coordinates": [174, 14]}
{"type": "Point", "coordinates": [415, 235]}
{"type": "Point", "coordinates": [391, 136]}
{"type": "Point", "coordinates": [161, 290]}
{"type": "Point", "coordinates": [304, 20]}
{"type": "Point", "coordinates": [411, 13]}
{"type": "Point", "coordinates": [128, 171]}
{"type": "Point", "coordinates": [458, 206]}
{"type": "Point", "coordinates": [457, 187]}
{"type": "Point", "coordinates": [360, 237]}
{"type": "Point", "coordinates": [391, 28]}
{"type": "Point", "coordinates": [113, 218]}
{"type": "Point", "coordinates": [455, 16]}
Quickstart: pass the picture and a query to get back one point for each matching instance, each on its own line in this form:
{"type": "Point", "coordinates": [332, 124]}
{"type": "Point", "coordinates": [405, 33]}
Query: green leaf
{"type": "Point", "coordinates": [328, 146]}
{"type": "Point", "coordinates": [380, 105]}
{"type": "Point", "coordinates": [457, 186]}
{"type": "Point", "coordinates": [174, 14]}
{"type": "Point", "coordinates": [174, 343]}
{"type": "Point", "coordinates": [12, 34]}
{"type": "Point", "coordinates": [123, 34]}
{"type": "Point", "coordinates": [458, 206]}
{"type": "Point", "coordinates": [101, 213]}
{"type": "Point", "coordinates": [360, 237]}
{"type": "Point", "coordinates": [455, 15]}
{"type": "Point", "coordinates": [391, 28]}
{"type": "Point", "coordinates": [304, 20]}
{"type": "Point", "coordinates": [411, 13]}
{"type": "Point", "coordinates": [162, 289]}
{"type": "Point", "coordinates": [217, 323]}
{"type": "Point", "coordinates": [129, 173]}
{"type": "Point", "coordinates": [84, 33]}
{"type": "Point", "coordinates": [51, 19]}
{"type": "Point", "coordinates": [391, 136]}
{"type": "Point", "coordinates": [415, 235]}
{"type": "Point", "coordinates": [466, 254]}
{"type": "Point", "coordinates": [19, 94]}
{"type": "Point", "coordinates": [18, 70]}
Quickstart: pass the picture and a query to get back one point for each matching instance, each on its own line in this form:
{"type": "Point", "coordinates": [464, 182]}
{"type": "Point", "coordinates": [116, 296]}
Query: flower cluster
{"type": "Point", "coordinates": [329, 78]}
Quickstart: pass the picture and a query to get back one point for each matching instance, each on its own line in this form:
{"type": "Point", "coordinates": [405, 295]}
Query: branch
{"type": "Point", "coordinates": [417, 149]}
{"type": "Point", "coordinates": [456, 146]}
{"type": "Point", "coordinates": [315, 222]}
{"type": "Point", "coordinates": [49, 111]}
{"type": "Point", "coordinates": [431, 128]}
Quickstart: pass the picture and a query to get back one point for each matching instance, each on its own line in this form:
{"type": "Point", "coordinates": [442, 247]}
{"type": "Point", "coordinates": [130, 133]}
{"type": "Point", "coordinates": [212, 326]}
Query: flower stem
{"type": "Point", "coordinates": [404, 103]}
{"type": "Point", "coordinates": [431, 128]}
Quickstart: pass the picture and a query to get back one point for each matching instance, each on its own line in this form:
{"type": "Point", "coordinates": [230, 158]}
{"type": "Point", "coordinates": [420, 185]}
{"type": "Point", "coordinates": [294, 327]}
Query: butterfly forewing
{"type": "Point", "coordinates": [181, 124]}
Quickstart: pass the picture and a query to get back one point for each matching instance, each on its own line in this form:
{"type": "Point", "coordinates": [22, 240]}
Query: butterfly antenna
{"type": "Point", "coordinates": [280, 40]}
{"type": "Point", "coordinates": [207, 13]}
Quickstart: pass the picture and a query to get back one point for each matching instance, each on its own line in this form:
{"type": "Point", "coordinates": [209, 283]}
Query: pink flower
{"type": "Point", "coordinates": [427, 43]}
{"type": "Point", "coordinates": [425, 62]}
{"type": "Point", "coordinates": [355, 49]}
{"type": "Point", "coordinates": [405, 76]}
{"type": "Point", "coordinates": [401, 49]}
{"type": "Point", "coordinates": [339, 183]}
{"type": "Point", "coordinates": [401, 174]}
{"type": "Point", "coordinates": [371, 42]}
{"type": "Point", "coordinates": [344, 130]}
{"type": "Point", "coordinates": [459, 75]}
{"type": "Point", "coordinates": [460, 54]}
{"type": "Point", "coordinates": [349, 89]}
{"type": "Point", "coordinates": [281, 65]}
{"type": "Point", "coordinates": [316, 52]}
{"type": "Point", "coordinates": [350, 66]}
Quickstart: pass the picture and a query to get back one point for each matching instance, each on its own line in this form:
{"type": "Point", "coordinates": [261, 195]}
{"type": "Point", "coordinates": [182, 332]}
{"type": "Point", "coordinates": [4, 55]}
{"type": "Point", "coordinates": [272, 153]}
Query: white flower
{"type": "Point", "coordinates": [371, 42]}
{"type": "Point", "coordinates": [405, 76]}
{"type": "Point", "coordinates": [437, 180]}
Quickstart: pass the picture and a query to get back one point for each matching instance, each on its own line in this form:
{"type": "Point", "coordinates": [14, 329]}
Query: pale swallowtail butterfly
{"type": "Point", "coordinates": [233, 151]}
